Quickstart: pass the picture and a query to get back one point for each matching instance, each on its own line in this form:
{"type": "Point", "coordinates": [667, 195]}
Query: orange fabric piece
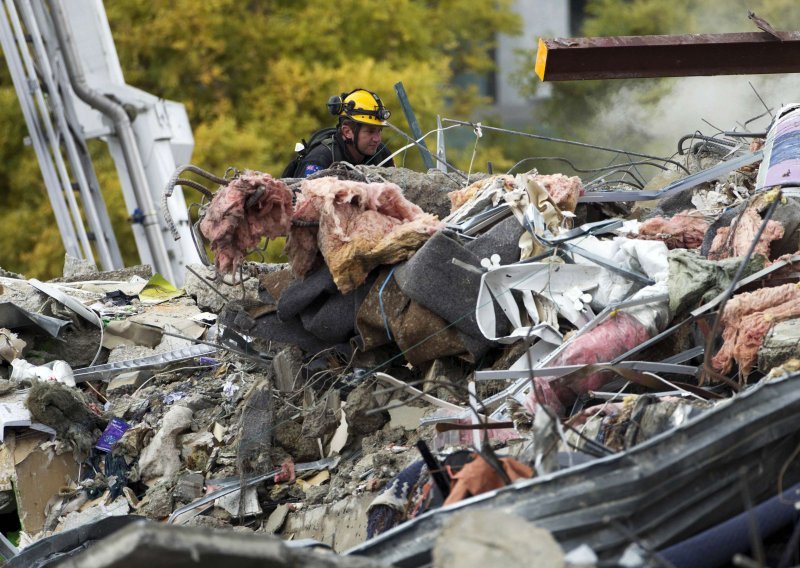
{"type": "Point", "coordinates": [479, 477]}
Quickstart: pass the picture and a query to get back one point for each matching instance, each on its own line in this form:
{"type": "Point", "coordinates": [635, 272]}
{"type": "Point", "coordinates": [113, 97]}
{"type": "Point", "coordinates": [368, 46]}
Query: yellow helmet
{"type": "Point", "coordinates": [361, 106]}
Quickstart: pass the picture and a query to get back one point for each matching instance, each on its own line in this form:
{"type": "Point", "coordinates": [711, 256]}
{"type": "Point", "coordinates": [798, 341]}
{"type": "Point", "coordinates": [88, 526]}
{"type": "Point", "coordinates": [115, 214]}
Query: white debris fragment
{"type": "Point", "coordinates": [55, 371]}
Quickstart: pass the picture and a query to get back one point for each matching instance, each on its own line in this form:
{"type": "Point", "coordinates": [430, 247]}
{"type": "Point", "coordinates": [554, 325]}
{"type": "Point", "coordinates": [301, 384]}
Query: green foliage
{"type": "Point", "coordinates": [635, 17]}
{"type": "Point", "coordinates": [255, 77]}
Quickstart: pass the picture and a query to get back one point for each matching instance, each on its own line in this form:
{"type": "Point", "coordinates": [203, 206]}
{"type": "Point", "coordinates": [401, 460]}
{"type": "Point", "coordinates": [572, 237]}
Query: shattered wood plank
{"type": "Point", "coordinates": [627, 57]}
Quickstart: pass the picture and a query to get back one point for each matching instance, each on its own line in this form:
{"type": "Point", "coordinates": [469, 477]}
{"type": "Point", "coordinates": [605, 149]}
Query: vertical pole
{"type": "Point", "coordinates": [411, 118]}
{"type": "Point", "coordinates": [473, 401]}
{"type": "Point", "coordinates": [441, 153]}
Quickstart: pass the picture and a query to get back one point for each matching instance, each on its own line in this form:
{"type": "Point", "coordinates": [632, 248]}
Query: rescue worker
{"type": "Point", "coordinates": [357, 138]}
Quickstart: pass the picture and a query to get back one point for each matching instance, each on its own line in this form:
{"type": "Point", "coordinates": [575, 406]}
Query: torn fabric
{"type": "Point", "coordinates": [781, 344]}
{"type": "Point", "coordinates": [479, 477]}
{"type": "Point", "coordinates": [693, 280]}
{"type": "Point", "coordinates": [388, 316]}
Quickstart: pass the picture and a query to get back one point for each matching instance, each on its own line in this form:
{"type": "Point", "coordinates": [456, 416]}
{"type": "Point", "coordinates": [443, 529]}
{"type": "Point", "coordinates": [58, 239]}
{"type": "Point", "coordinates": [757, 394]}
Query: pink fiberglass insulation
{"type": "Point", "coordinates": [249, 208]}
{"type": "Point", "coordinates": [747, 318]}
{"type": "Point", "coordinates": [301, 246]}
{"type": "Point", "coordinates": [726, 245]}
{"type": "Point", "coordinates": [684, 230]}
{"type": "Point", "coordinates": [361, 226]}
{"type": "Point", "coordinates": [610, 339]}
{"type": "Point", "coordinates": [563, 190]}
{"type": "Point", "coordinates": [459, 197]}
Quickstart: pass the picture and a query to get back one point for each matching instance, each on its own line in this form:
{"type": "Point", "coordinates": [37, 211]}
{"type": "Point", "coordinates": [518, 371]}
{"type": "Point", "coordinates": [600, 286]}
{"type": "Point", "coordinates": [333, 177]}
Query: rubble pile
{"type": "Point", "coordinates": [517, 360]}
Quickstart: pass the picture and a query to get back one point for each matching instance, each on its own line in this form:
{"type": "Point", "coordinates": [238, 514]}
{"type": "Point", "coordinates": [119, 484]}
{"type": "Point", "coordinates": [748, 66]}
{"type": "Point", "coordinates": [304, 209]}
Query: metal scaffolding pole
{"type": "Point", "coordinates": [12, 47]}
{"type": "Point", "coordinates": [91, 199]}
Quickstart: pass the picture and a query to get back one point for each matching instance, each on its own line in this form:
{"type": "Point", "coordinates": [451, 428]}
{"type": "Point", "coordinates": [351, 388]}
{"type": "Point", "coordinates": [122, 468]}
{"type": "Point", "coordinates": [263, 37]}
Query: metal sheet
{"type": "Point", "coordinates": [107, 372]}
{"type": "Point", "coordinates": [14, 317]}
{"type": "Point", "coordinates": [73, 304]}
{"type": "Point", "coordinates": [556, 372]}
{"type": "Point", "coordinates": [709, 174]}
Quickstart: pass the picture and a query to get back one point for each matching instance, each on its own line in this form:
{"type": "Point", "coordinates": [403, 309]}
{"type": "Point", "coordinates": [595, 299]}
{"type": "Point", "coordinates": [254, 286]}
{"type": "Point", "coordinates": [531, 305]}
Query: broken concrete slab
{"type": "Point", "coordinates": [144, 544]}
{"type": "Point", "coordinates": [276, 519]}
{"type": "Point", "coordinates": [117, 508]}
{"type": "Point", "coordinates": [341, 524]}
{"type": "Point", "coordinates": [781, 344]}
{"type": "Point", "coordinates": [126, 383]}
{"type": "Point", "coordinates": [161, 457]}
{"type": "Point", "coordinates": [286, 365]}
{"type": "Point", "coordinates": [289, 435]}
{"type": "Point", "coordinates": [360, 403]}
{"type": "Point", "coordinates": [78, 268]}
{"type": "Point", "coordinates": [495, 538]}
{"type": "Point", "coordinates": [406, 417]}
{"type": "Point", "coordinates": [189, 487]}
{"type": "Point", "coordinates": [129, 332]}
{"type": "Point", "coordinates": [202, 288]}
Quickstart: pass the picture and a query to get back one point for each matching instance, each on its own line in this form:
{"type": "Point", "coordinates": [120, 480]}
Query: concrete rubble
{"type": "Point", "coordinates": [443, 374]}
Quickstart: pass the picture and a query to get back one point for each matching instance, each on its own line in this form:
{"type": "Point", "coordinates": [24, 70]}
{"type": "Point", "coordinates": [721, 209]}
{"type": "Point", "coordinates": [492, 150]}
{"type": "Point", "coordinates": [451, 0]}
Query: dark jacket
{"type": "Point", "coordinates": [334, 150]}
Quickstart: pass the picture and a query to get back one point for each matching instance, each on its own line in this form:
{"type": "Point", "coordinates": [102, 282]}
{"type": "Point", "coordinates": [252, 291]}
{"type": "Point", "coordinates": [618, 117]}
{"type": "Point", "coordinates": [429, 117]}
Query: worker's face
{"type": "Point", "coordinates": [369, 138]}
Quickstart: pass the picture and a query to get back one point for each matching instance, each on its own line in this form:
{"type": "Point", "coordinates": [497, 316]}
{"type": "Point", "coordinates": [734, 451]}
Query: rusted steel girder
{"type": "Point", "coordinates": [627, 57]}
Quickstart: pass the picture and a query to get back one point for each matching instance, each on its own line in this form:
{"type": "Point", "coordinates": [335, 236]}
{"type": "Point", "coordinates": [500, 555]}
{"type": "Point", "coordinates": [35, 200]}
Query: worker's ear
{"type": "Point", "coordinates": [348, 134]}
